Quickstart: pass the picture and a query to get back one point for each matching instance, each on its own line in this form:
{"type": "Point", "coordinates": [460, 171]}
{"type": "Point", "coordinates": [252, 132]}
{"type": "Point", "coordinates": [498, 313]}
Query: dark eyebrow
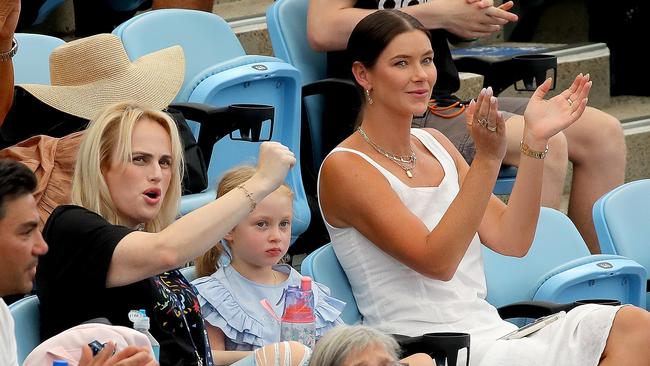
{"type": "Point", "coordinates": [429, 52]}
{"type": "Point", "coordinates": [27, 226]}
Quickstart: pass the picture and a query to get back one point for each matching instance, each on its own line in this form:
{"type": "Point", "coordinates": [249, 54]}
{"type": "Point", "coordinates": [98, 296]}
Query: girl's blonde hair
{"type": "Point", "coordinates": [110, 134]}
{"type": "Point", "coordinates": [207, 263]}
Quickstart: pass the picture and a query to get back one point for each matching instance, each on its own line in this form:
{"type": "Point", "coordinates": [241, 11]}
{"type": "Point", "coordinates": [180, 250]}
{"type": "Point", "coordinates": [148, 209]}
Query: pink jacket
{"type": "Point", "coordinates": [67, 344]}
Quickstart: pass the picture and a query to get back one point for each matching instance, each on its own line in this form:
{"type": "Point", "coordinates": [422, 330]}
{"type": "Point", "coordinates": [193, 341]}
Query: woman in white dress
{"type": "Point", "coordinates": [407, 215]}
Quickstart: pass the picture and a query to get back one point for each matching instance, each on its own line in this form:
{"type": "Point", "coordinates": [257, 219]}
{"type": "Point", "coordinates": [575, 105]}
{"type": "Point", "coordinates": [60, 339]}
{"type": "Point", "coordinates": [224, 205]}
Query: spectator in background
{"type": "Point", "coordinates": [92, 17]}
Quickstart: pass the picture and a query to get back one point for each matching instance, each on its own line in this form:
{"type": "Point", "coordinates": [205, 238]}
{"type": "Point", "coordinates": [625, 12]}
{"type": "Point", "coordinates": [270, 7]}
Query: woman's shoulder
{"type": "Point", "coordinates": [72, 212]}
{"type": "Point", "coordinates": [69, 216]}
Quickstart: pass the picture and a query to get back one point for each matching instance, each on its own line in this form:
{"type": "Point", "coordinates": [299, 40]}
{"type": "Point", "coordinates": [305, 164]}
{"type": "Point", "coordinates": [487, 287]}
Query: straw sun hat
{"type": "Point", "coordinates": [91, 73]}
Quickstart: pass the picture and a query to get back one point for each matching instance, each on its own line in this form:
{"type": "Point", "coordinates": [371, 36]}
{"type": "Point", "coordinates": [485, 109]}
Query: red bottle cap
{"type": "Point", "coordinates": [305, 283]}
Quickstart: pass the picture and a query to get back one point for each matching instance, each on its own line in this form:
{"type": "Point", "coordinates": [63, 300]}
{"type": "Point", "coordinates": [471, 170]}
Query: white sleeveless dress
{"type": "Point", "coordinates": [398, 300]}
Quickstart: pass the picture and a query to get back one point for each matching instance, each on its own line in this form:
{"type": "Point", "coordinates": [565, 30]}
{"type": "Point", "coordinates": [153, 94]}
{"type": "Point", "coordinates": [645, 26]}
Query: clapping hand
{"type": "Point", "coordinates": [545, 118]}
{"type": "Point", "coordinates": [486, 126]}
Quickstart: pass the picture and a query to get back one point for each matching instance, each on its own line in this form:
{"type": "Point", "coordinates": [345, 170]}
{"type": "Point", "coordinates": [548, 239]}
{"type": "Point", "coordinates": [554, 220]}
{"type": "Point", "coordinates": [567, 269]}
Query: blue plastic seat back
{"type": "Point", "coordinates": [557, 247]}
{"type": "Point", "coordinates": [622, 220]}
{"type": "Point", "coordinates": [189, 273]}
{"type": "Point", "coordinates": [323, 267]}
{"type": "Point", "coordinates": [48, 7]}
{"type": "Point", "coordinates": [206, 39]}
{"type": "Point", "coordinates": [32, 62]}
{"type": "Point", "coordinates": [27, 319]}
{"type": "Point", "coordinates": [287, 26]}
{"type": "Point", "coordinates": [269, 81]}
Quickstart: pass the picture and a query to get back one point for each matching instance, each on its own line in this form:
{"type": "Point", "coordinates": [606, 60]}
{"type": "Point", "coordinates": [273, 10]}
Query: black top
{"type": "Point", "coordinates": [29, 117]}
{"type": "Point", "coordinates": [71, 287]}
{"type": "Point", "coordinates": [340, 65]}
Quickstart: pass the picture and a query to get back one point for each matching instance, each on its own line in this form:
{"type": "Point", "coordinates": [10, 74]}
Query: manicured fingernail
{"type": "Point", "coordinates": [493, 100]}
{"type": "Point", "coordinates": [499, 114]}
{"type": "Point", "coordinates": [588, 76]}
{"type": "Point", "coordinates": [489, 90]}
{"type": "Point", "coordinates": [482, 91]}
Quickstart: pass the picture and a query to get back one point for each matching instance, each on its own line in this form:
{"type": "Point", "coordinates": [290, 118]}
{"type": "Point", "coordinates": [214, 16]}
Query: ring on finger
{"type": "Point", "coordinates": [570, 102]}
{"type": "Point", "coordinates": [482, 122]}
{"type": "Point", "coordinates": [491, 128]}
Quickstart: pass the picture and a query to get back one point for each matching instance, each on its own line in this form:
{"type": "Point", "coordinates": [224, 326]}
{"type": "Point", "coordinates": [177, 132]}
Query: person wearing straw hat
{"type": "Point", "coordinates": [42, 121]}
{"type": "Point", "coordinates": [87, 75]}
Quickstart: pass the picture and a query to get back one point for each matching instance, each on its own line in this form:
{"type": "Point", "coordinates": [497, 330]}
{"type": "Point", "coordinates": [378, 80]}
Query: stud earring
{"type": "Point", "coordinates": [368, 97]}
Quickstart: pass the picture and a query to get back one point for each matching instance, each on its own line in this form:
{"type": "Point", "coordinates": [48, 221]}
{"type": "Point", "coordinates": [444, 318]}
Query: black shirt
{"type": "Point", "coordinates": [71, 287]}
{"type": "Point", "coordinates": [29, 117]}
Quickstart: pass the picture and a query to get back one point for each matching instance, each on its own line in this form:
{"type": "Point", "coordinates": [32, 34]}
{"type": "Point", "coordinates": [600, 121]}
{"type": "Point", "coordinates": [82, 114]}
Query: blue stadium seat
{"type": "Point", "coordinates": [32, 62]}
{"type": "Point", "coordinates": [219, 73]}
{"type": "Point", "coordinates": [48, 7]}
{"type": "Point", "coordinates": [559, 268]}
{"type": "Point", "coordinates": [622, 220]}
{"type": "Point", "coordinates": [189, 273]}
{"type": "Point", "coordinates": [323, 267]}
{"type": "Point", "coordinates": [27, 318]}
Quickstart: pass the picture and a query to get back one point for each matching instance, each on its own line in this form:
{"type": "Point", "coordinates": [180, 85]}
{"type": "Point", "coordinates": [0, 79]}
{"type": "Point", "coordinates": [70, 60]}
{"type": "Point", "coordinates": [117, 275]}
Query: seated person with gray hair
{"type": "Point", "coordinates": [361, 345]}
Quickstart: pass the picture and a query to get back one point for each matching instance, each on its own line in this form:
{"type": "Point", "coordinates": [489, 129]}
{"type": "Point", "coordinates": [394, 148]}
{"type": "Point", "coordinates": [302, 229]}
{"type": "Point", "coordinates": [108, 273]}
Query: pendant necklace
{"type": "Point", "coordinates": [406, 162]}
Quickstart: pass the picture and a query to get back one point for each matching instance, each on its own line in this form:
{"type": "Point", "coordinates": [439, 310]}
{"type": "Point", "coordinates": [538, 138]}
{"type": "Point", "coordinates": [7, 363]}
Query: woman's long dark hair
{"type": "Point", "coordinates": [374, 32]}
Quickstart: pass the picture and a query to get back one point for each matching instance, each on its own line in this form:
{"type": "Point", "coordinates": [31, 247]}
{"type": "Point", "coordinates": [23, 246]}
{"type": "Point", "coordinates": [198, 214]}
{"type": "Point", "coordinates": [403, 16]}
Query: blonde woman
{"type": "Point", "coordinates": [116, 248]}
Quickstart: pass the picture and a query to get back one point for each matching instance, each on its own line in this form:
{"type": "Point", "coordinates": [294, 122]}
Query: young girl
{"type": "Point", "coordinates": [230, 297]}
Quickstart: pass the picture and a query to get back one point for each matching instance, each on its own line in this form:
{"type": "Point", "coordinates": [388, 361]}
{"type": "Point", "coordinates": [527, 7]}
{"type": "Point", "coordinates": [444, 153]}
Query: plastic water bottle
{"type": "Point", "coordinates": [141, 324]}
{"type": "Point", "coordinates": [298, 320]}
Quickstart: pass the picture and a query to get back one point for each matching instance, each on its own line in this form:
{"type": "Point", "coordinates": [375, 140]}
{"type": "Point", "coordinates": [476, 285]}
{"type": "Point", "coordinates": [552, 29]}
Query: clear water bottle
{"type": "Point", "coordinates": [298, 320]}
{"type": "Point", "coordinates": [141, 324]}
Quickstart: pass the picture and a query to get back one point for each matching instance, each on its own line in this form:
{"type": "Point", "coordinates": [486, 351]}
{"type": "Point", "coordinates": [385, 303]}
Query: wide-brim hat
{"type": "Point", "coordinates": [94, 72]}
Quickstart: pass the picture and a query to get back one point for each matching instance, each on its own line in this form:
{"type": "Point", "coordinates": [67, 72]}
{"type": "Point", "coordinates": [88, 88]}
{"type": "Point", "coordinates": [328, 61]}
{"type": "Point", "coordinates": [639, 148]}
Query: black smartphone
{"type": "Point", "coordinates": [96, 347]}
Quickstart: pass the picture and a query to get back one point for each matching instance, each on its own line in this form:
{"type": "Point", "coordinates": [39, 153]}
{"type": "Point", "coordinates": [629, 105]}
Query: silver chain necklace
{"type": "Point", "coordinates": [406, 162]}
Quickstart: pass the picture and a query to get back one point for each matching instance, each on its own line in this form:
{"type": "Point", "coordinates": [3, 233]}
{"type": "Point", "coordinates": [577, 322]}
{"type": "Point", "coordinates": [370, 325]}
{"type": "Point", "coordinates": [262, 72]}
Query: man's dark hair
{"type": "Point", "coordinates": [16, 180]}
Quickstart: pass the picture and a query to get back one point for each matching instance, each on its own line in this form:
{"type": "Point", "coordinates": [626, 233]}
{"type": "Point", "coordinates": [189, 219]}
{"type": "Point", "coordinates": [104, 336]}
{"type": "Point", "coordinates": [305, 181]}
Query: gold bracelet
{"type": "Point", "coordinates": [526, 150]}
{"type": "Point", "coordinates": [249, 195]}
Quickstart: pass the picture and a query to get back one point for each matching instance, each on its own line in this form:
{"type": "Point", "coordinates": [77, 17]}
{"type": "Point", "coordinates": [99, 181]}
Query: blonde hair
{"type": "Point", "coordinates": [108, 134]}
{"type": "Point", "coordinates": [207, 263]}
{"type": "Point", "coordinates": [345, 341]}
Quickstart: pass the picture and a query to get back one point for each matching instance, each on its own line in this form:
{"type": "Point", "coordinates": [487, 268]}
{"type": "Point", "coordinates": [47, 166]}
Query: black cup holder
{"type": "Point", "coordinates": [532, 70]}
{"type": "Point", "coordinates": [442, 347]}
{"type": "Point", "coordinates": [218, 122]}
{"type": "Point", "coordinates": [252, 117]}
